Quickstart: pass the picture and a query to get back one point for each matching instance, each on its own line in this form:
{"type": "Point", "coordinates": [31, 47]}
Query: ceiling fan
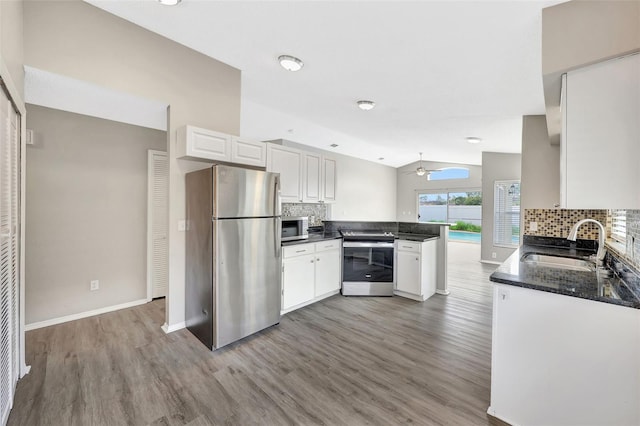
{"type": "Point", "coordinates": [421, 171]}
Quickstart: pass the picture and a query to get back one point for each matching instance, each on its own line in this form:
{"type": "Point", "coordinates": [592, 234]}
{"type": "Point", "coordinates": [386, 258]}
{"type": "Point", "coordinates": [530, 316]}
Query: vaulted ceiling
{"type": "Point", "coordinates": [439, 71]}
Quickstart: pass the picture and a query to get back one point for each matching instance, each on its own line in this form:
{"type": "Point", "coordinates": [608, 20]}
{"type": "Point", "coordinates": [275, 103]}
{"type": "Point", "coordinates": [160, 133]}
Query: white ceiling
{"type": "Point", "coordinates": [439, 71]}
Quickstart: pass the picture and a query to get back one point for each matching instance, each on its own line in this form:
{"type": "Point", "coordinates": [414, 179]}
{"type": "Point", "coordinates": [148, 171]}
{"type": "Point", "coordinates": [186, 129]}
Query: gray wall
{"type": "Point", "coordinates": [540, 182]}
{"type": "Point", "coordinates": [78, 40]}
{"type": "Point", "coordinates": [11, 44]}
{"type": "Point", "coordinates": [366, 190]}
{"type": "Point", "coordinates": [87, 215]}
{"type": "Point", "coordinates": [495, 166]}
{"type": "Point", "coordinates": [409, 183]}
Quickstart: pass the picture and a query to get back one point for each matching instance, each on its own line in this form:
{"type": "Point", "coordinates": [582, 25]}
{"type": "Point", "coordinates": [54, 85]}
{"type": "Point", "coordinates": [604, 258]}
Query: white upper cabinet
{"type": "Point", "coordinates": [329, 180]}
{"type": "Point", "coordinates": [311, 191]}
{"type": "Point", "coordinates": [305, 177]}
{"type": "Point", "coordinates": [195, 143]}
{"type": "Point", "coordinates": [288, 162]}
{"type": "Point", "coordinates": [248, 152]}
{"type": "Point", "coordinates": [600, 141]}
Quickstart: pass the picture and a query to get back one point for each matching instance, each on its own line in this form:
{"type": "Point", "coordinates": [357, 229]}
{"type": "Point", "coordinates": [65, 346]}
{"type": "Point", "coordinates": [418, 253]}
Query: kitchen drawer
{"type": "Point", "coordinates": [297, 250]}
{"type": "Point", "coordinates": [410, 246]}
{"type": "Point", "coordinates": [328, 245]}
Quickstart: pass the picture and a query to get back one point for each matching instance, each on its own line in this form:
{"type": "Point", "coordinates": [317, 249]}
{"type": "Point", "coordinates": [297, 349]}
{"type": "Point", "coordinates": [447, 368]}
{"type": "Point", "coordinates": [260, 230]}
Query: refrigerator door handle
{"type": "Point", "coordinates": [277, 212]}
{"type": "Point", "coordinates": [278, 236]}
{"type": "Point", "coordinates": [277, 208]}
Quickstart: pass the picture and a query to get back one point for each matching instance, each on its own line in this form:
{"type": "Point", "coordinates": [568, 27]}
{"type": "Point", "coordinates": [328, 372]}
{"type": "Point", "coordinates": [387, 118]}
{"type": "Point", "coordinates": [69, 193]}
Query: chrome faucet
{"type": "Point", "coordinates": [573, 234]}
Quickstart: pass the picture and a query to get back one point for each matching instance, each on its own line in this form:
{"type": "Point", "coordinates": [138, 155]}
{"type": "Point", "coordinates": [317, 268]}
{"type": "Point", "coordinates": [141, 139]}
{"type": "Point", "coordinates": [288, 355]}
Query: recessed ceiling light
{"type": "Point", "coordinates": [290, 63]}
{"type": "Point", "coordinates": [473, 139]}
{"type": "Point", "coordinates": [169, 2]}
{"type": "Point", "coordinates": [366, 105]}
{"type": "Point", "coordinates": [333, 145]}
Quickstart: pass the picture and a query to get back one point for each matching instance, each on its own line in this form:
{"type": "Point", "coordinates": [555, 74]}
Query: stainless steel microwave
{"type": "Point", "coordinates": [295, 228]}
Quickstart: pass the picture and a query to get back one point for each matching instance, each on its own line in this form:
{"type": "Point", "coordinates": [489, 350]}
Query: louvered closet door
{"type": "Point", "coordinates": [9, 208]}
{"type": "Point", "coordinates": [157, 224]}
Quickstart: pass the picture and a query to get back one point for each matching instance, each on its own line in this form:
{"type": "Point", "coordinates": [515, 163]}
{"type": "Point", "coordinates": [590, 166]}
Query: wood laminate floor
{"type": "Point", "coordinates": [342, 361]}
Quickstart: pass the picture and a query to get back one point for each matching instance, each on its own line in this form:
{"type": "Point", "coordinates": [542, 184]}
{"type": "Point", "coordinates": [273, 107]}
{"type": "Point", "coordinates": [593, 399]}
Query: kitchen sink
{"type": "Point", "coordinates": [559, 262]}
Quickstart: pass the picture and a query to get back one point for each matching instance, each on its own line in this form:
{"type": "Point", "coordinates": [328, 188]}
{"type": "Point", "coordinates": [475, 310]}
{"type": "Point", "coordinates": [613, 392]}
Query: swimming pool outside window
{"type": "Point", "coordinates": [462, 208]}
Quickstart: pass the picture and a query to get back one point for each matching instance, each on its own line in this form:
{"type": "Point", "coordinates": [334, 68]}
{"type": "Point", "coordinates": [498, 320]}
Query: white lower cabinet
{"type": "Point", "coordinates": [563, 360]}
{"type": "Point", "coordinates": [310, 272]}
{"type": "Point", "coordinates": [297, 279]}
{"type": "Point", "coordinates": [327, 274]}
{"type": "Point", "coordinates": [415, 269]}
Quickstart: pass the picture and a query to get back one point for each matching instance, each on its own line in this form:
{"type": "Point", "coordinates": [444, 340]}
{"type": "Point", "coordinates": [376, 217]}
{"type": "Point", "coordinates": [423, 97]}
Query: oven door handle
{"type": "Point", "coordinates": [352, 244]}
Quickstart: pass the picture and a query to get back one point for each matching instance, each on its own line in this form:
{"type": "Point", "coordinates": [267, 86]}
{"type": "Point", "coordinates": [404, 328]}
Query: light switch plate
{"type": "Point", "coordinates": [533, 226]}
{"type": "Point", "coordinates": [182, 225]}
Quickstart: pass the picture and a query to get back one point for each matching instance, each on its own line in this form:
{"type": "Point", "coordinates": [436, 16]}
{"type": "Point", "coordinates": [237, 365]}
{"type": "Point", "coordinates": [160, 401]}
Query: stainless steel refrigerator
{"type": "Point", "coordinates": [233, 255]}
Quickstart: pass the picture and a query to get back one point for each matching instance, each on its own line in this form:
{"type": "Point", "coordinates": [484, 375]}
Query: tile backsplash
{"type": "Point", "coordinates": [316, 212]}
{"type": "Point", "coordinates": [558, 222]}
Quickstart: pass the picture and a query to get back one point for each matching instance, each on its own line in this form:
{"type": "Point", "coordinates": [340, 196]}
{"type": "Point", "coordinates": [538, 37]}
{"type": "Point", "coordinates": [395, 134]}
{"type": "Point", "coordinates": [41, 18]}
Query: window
{"type": "Point", "coordinates": [506, 223]}
{"type": "Point", "coordinates": [449, 173]}
{"type": "Point", "coordinates": [462, 208]}
{"type": "Point", "coordinates": [619, 225]}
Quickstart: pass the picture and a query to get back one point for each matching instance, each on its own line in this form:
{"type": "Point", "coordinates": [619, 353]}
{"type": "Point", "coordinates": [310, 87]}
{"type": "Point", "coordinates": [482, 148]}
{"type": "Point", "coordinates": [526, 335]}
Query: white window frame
{"type": "Point", "coordinates": [501, 211]}
{"type": "Point", "coordinates": [619, 226]}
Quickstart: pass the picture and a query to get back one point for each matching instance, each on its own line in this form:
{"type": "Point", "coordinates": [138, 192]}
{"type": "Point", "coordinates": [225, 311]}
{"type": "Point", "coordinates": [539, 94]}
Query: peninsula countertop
{"type": "Point", "coordinates": [583, 284]}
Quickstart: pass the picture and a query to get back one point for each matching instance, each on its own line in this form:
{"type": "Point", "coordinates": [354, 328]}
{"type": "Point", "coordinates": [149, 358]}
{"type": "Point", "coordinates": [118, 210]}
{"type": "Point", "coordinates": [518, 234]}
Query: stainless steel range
{"type": "Point", "coordinates": [367, 268]}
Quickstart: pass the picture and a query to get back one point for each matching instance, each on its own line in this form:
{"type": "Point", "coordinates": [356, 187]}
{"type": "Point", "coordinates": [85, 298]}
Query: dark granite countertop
{"type": "Point", "coordinates": [583, 284]}
{"type": "Point", "coordinates": [314, 237]}
{"type": "Point", "coordinates": [416, 237]}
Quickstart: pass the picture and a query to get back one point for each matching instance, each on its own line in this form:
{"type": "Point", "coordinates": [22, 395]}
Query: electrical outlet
{"type": "Point", "coordinates": [533, 226]}
{"type": "Point", "coordinates": [494, 255]}
{"type": "Point", "coordinates": [182, 225]}
{"type": "Point", "coordinates": [95, 285]}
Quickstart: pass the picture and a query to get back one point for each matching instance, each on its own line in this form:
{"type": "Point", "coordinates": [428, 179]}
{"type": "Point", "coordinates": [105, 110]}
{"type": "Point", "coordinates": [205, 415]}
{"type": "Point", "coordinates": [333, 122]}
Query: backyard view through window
{"type": "Point", "coordinates": [462, 208]}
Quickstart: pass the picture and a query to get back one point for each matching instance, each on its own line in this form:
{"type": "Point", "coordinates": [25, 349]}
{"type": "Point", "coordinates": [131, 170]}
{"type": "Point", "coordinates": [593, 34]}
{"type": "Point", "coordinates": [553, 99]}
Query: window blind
{"type": "Point", "coordinates": [506, 223]}
{"type": "Point", "coordinates": [619, 225]}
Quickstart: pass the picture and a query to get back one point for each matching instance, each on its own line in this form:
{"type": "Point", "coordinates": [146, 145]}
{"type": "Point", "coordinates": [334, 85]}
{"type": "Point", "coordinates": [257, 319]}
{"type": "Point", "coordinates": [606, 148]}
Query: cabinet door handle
{"type": "Point", "coordinates": [407, 247]}
{"type": "Point", "coordinates": [317, 260]}
{"type": "Point", "coordinates": [300, 251]}
{"type": "Point", "coordinates": [417, 258]}
{"type": "Point", "coordinates": [311, 260]}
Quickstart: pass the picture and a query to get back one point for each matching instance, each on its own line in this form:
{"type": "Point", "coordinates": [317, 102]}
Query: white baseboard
{"type": "Point", "coordinates": [408, 295]}
{"type": "Point", "coordinates": [492, 413]}
{"type": "Point", "coordinates": [309, 302]}
{"type": "Point", "coordinates": [175, 327]}
{"type": "Point", "coordinates": [491, 262]}
{"type": "Point", "coordinates": [24, 370]}
{"type": "Point", "coordinates": [73, 317]}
